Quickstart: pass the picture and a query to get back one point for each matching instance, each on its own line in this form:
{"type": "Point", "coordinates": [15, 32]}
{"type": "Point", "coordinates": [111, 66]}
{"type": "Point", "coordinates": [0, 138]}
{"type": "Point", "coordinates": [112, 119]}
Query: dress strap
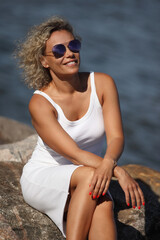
{"type": "Point", "coordinates": [48, 98]}
{"type": "Point", "coordinates": [93, 88]}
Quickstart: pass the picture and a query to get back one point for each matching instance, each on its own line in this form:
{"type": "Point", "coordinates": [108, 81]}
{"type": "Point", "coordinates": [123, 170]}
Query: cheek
{"type": "Point", "coordinates": [55, 66]}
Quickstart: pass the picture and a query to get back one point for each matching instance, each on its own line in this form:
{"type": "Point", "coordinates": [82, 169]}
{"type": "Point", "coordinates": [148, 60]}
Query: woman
{"type": "Point", "coordinates": [72, 112]}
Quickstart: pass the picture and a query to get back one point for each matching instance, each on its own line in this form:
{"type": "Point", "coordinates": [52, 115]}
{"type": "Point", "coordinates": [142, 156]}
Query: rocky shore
{"type": "Point", "coordinates": [18, 221]}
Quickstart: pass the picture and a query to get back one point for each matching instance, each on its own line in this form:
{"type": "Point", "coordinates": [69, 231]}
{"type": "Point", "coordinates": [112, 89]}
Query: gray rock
{"type": "Point", "coordinates": [13, 131]}
{"type": "Point", "coordinates": [18, 221]}
{"type": "Point", "coordinates": [18, 152]}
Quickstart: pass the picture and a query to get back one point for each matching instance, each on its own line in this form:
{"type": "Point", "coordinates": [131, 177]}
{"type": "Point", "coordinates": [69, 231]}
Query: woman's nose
{"type": "Point", "coordinates": [69, 53]}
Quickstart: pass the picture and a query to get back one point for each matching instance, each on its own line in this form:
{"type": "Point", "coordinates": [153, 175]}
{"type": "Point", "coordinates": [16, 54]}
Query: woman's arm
{"type": "Point", "coordinates": [112, 119]}
{"type": "Point", "coordinates": [108, 96]}
{"type": "Point", "coordinates": [115, 143]}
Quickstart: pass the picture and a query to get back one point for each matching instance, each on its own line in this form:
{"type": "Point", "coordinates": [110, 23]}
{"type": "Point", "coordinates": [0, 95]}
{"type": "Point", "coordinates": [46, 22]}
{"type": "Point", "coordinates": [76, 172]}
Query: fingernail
{"type": "Point", "coordinates": [89, 185]}
{"type": "Point", "coordinates": [98, 196]}
{"type": "Point", "coordinates": [103, 194]}
{"type": "Point", "coordinates": [94, 197]}
{"type": "Point", "coordinates": [133, 206]}
{"type": "Point", "coordinates": [139, 207]}
{"type": "Point", "coordinates": [128, 204]}
{"type": "Point", "coordinates": [143, 203]}
{"type": "Point", "coordinates": [90, 193]}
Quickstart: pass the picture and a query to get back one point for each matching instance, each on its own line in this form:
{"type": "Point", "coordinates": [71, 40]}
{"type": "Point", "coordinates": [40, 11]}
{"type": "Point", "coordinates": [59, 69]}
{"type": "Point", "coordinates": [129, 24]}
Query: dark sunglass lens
{"type": "Point", "coordinates": [74, 45]}
{"type": "Point", "coordinates": [58, 50]}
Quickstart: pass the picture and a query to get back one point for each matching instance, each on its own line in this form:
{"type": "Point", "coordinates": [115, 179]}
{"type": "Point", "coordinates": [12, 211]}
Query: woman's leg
{"type": "Point", "coordinates": [81, 205]}
{"type": "Point", "coordinates": [103, 225]}
{"type": "Point", "coordinates": [86, 215]}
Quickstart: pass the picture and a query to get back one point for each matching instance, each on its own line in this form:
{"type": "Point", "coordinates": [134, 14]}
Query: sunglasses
{"type": "Point", "coordinates": [60, 49]}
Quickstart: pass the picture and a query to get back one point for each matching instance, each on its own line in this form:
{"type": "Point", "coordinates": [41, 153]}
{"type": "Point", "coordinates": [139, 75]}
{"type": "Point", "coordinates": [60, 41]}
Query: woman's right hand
{"type": "Point", "coordinates": [130, 187]}
{"type": "Point", "coordinates": [101, 178]}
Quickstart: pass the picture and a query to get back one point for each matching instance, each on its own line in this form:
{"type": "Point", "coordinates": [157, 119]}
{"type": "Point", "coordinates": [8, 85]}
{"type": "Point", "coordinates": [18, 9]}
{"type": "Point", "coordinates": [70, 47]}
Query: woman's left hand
{"type": "Point", "coordinates": [131, 188]}
{"type": "Point", "coordinates": [101, 179]}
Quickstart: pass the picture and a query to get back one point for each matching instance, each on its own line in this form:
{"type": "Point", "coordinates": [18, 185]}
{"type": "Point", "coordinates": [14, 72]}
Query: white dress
{"type": "Point", "coordinates": [46, 177]}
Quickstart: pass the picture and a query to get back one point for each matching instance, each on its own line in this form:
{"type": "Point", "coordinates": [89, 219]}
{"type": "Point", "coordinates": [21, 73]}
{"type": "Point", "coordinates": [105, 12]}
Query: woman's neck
{"type": "Point", "coordinates": [68, 84]}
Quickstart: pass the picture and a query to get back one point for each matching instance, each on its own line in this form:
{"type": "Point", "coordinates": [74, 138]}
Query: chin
{"type": "Point", "coordinates": [73, 70]}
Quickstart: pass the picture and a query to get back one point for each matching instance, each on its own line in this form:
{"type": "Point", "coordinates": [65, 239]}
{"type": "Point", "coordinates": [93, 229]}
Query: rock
{"type": "Point", "coordinates": [13, 131]}
{"type": "Point", "coordinates": [20, 151]}
{"type": "Point", "coordinates": [18, 221]}
{"type": "Point", "coordinates": [6, 232]}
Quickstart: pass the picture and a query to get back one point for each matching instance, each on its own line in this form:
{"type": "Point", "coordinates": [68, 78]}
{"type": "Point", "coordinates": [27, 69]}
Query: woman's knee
{"type": "Point", "coordinates": [82, 175]}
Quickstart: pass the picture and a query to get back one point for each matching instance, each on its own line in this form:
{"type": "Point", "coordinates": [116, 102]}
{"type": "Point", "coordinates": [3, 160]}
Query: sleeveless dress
{"type": "Point", "coordinates": [46, 176]}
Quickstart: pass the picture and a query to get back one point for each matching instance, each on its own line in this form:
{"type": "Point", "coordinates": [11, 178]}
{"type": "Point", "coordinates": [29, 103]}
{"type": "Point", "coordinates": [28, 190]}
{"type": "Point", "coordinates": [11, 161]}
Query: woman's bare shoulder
{"type": "Point", "coordinates": [105, 85]}
{"type": "Point", "coordinates": [103, 78]}
{"type": "Point", "coordinates": [97, 75]}
{"type": "Point", "coordinates": [39, 105]}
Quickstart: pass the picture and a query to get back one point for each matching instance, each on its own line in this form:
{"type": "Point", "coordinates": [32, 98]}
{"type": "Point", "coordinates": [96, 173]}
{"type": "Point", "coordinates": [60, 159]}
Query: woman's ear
{"type": "Point", "coordinates": [44, 62]}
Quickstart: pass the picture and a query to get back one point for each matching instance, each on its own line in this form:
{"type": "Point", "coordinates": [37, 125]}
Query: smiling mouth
{"type": "Point", "coordinates": [71, 63]}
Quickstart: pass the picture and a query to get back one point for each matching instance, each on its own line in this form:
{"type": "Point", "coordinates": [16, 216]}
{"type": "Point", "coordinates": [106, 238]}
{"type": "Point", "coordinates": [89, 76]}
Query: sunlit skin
{"type": "Point", "coordinates": [90, 212]}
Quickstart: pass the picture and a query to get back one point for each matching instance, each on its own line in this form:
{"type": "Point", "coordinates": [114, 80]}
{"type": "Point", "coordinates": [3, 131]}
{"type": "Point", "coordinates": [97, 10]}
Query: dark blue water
{"type": "Point", "coordinates": [120, 37]}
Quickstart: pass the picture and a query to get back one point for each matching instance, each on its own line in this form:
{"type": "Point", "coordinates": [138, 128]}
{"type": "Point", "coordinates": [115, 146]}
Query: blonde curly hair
{"type": "Point", "coordinates": [30, 51]}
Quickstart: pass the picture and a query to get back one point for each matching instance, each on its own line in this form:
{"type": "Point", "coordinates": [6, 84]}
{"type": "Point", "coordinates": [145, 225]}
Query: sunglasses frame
{"type": "Point", "coordinates": [57, 54]}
